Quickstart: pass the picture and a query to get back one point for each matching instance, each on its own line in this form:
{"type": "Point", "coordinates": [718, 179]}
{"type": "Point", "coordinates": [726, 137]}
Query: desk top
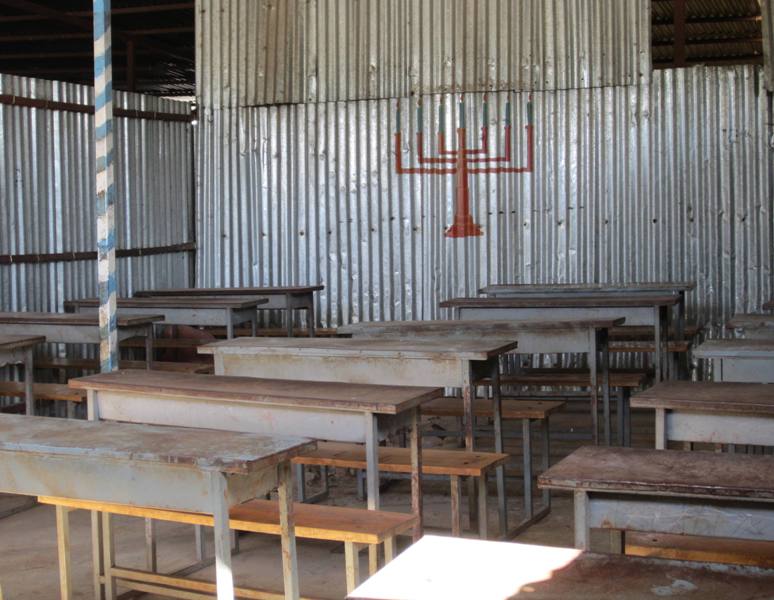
{"type": "Point", "coordinates": [72, 319]}
{"type": "Point", "coordinates": [664, 472]}
{"type": "Point", "coordinates": [751, 322]}
{"type": "Point", "coordinates": [472, 349]}
{"type": "Point", "coordinates": [202, 449]}
{"type": "Point", "coordinates": [14, 342]}
{"type": "Point", "coordinates": [438, 567]}
{"type": "Point", "coordinates": [556, 301]}
{"type": "Point", "coordinates": [233, 291]}
{"type": "Point", "coordinates": [200, 302]}
{"type": "Point", "coordinates": [737, 348]}
{"type": "Point", "coordinates": [708, 397]}
{"type": "Point", "coordinates": [470, 327]}
{"type": "Point", "coordinates": [591, 288]}
{"type": "Point", "coordinates": [384, 399]}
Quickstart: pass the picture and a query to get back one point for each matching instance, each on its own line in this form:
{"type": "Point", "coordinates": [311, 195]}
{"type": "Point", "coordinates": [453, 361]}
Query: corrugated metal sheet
{"type": "Point", "coordinates": [671, 180]}
{"type": "Point", "coordinates": [252, 53]}
{"type": "Point", "coordinates": [767, 10]}
{"type": "Point", "coordinates": [47, 194]}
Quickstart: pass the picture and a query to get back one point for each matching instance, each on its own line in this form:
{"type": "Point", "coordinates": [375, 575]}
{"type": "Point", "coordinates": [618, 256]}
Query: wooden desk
{"type": "Point", "coordinates": [386, 362]}
{"type": "Point", "coordinates": [677, 288]}
{"type": "Point", "coordinates": [463, 569]}
{"type": "Point", "coordinates": [740, 360]}
{"type": "Point", "coordinates": [165, 467]}
{"type": "Point", "coordinates": [68, 328]}
{"type": "Point", "coordinates": [637, 309]}
{"type": "Point", "coordinates": [534, 337]}
{"type": "Point", "coordinates": [667, 491]}
{"type": "Point", "coordinates": [341, 412]}
{"type": "Point", "coordinates": [719, 413]}
{"type": "Point", "coordinates": [197, 311]}
{"type": "Point", "coordinates": [287, 298]}
{"type": "Point", "coordinates": [753, 326]}
{"type": "Point", "coordinates": [17, 349]}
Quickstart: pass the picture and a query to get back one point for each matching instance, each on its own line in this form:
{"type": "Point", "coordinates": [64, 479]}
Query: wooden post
{"type": "Point", "coordinates": [288, 532]}
{"type": "Point", "coordinates": [224, 576]}
{"type": "Point", "coordinates": [63, 547]}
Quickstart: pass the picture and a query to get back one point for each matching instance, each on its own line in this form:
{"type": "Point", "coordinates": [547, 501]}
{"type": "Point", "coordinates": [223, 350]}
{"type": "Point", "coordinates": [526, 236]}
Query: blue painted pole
{"type": "Point", "coordinates": [106, 218]}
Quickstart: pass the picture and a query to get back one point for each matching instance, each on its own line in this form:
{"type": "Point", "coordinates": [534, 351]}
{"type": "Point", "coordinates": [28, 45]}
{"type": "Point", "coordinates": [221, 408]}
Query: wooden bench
{"type": "Point", "coordinates": [645, 333]}
{"type": "Point", "coordinates": [673, 346]}
{"type": "Point", "coordinates": [527, 411]}
{"type": "Point", "coordinates": [667, 491]}
{"type": "Point", "coordinates": [42, 391]}
{"type": "Point", "coordinates": [451, 463]}
{"type": "Point", "coordinates": [622, 380]}
{"type": "Point", "coordinates": [353, 527]}
{"type": "Point", "coordinates": [92, 364]}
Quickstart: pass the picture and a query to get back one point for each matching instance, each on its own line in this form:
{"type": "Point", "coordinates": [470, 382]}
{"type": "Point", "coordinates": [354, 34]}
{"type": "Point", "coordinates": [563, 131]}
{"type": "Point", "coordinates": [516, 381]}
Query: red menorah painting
{"type": "Point", "coordinates": [463, 159]}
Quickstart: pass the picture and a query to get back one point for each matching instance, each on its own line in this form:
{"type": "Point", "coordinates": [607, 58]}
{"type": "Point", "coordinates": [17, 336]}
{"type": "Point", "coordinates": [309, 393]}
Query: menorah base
{"type": "Point", "coordinates": [463, 226]}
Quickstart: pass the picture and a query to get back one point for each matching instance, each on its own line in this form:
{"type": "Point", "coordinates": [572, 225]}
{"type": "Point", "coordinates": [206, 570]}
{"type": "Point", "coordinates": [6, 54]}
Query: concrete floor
{"type": "Point", "coordinates": [28, 569]}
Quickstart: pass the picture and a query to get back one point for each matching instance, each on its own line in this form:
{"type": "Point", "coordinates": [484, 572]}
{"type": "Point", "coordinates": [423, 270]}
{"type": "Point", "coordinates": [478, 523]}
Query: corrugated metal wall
{"type": "Point", "coordinates": [671, 180]}
{"type": "Point", "coordinates": [258, 52]}
{"type": "Point", "coordinates": [47, 194]}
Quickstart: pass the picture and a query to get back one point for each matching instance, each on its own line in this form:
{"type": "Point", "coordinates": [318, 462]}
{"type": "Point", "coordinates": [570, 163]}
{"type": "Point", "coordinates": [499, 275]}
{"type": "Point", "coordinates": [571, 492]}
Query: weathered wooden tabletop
{"type": "Point", "coordinates": [708, 397]}
{"type": "Point", "coordinates": [205, 449]}
{"type": "Point", "coordinates": [182, 301]}
{"type": "Point", "coordinates": [737, 348]}
{"type": "Point", "coordinates": [473, 349]}
{"type": "Point", "coordinates": [474, 327]}
{"type": "Point", "coordinates": [41, 318]}
{"type": "Point", "coordinates": [15, 342]}
{"type": "Point", "coordinates": [383, 399]}
{"type": "Point", "coordinates": [438, 567]}
{"type": "Point", "coordinates": [235, 291]}
{"type": "Point", "coordinates": [557, 301]}
{"type": "Point", "coordinates": [751, 322]}
{"type": "Point", "coordinates": [615, 288]}
{"type": "Point", "coordinates": [673, 472]}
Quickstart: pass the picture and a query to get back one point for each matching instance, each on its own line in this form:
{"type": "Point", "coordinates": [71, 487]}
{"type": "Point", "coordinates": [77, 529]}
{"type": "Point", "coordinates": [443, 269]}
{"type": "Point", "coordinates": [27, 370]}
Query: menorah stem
{"type": "Point", "coordinates": [463, 225]}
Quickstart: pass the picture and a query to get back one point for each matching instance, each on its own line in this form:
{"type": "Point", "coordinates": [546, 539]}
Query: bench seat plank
{"type": "Point", "coordinates": [93, 364]}
{"type": "Point", "coordinates": [512, 408]}
{"type": "Point", "coordinates": [42, 391]}
{"type": "Point", "coordinates": [661, 472]}
{"type": "Point", "coordinates": [312, 521]}
{"type": "Point", "coordinates": [630, 378]}
{"type": "Point", "coordinates": [398, 460]}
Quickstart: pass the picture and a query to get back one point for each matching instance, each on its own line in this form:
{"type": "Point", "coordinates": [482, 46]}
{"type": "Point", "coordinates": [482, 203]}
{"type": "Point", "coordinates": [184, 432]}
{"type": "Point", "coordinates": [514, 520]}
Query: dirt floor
{"type": "Point", "coordinates": [28, 569]}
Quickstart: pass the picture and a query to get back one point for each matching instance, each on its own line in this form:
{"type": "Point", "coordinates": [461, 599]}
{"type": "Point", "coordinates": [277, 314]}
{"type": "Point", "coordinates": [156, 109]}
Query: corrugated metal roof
{"type": "Point", "coordinates": [289, 51]}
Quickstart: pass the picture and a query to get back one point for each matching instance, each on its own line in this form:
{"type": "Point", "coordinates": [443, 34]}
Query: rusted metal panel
{"type": "Point", "coordinates": [292, 51]}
